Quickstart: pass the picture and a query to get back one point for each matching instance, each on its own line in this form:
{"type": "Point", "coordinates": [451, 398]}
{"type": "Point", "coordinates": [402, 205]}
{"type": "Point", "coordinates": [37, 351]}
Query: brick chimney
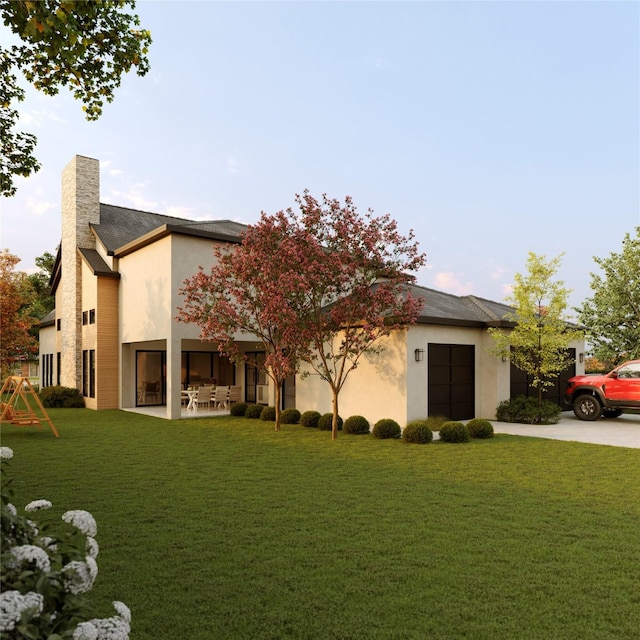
{"type": "Point", "coordinates": [80, 207]}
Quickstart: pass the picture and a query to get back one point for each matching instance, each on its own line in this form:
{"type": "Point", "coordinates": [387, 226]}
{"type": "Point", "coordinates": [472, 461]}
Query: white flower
{"type": "Point", "coordinates": [80, 576]}
{"type": "Point", "coordinates": [38, 505]}
{"type": "Point", "coordinates": [111, 628]}
{"type": "Point", "coordinates": [123, 611]}
{"type": "Point", "coordinates": [13, 604]}
{"type": "Point", "coordinates": [92, 547]}
{"type": "Point", "coordinates": [114, 628]}
{"type": "Point", "coordinates": [81, 520]}
{"type": "Point", "coordinates": [30, 553]}
{"type": "Point", "coordinates": [6, 453]}
{"type": "Point", "coordinates": [49, 543]}
{"type": "Point", "coordinates": [85, 631]}
{"type": "Point", "coordinates": [12, 509]}
{"type": "Point", "coordinates": [34, 528]}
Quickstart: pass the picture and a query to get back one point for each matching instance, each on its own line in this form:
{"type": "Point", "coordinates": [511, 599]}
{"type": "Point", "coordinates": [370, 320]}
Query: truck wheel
{"type": "Point", "coordinates": [587, 408]}
{"type": "Point", "coordinates": [611, 413]}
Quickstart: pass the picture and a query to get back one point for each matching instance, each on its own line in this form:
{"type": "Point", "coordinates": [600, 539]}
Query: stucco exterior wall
{"type": "Point", "coordinates": [374, 390]}
{"type": "Point", "coordinates": [393, 385]}
{"type": "Point", "coordinates": [47, 342]}
{"type": "Point", "coordinates": [145, 293]}
{"type": "Point", "coordinates": [579, 346]}
{"type": "Point", "coordinates": [491, 374]}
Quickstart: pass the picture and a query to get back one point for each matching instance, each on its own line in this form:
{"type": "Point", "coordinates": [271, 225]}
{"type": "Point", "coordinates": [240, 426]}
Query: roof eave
{"type": "Point", "coordinates": [167, 230]}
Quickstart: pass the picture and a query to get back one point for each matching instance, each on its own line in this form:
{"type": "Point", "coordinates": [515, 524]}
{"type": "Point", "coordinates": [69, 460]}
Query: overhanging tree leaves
{"type": "Point", "coordinates": [41, 301]}
{"type": "Point", "coordinates": [612, 315]}
{"type": "Point", "coordinates": [16, 343]}
{"type": "Point", "coordinates": [538, 344]}
{"type": "Point", "coordinates": [85, 46]}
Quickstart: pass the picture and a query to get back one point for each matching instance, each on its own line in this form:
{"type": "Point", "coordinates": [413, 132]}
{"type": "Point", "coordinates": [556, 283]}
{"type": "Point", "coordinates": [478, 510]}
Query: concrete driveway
{"type": "Point", "coordinates": [617, 432]}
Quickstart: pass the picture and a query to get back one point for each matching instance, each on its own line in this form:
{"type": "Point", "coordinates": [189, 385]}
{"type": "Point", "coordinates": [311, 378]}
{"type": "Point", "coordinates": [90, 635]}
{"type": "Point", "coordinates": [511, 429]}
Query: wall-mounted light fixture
{"type": "Point", "coordinates": [419, 355]}
{"type": "Point", "coordinates": [581, 357]}
{"type": "Point", "coordinates": [504, 358]}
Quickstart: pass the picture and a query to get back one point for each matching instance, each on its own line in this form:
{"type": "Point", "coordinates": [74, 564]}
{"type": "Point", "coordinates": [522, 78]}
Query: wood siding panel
{"type": "Point", "coordinates": [107, 351]}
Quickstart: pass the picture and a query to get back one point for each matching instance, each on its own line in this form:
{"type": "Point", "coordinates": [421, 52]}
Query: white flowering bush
{"type": "Point", "coordinates": [46, 575]}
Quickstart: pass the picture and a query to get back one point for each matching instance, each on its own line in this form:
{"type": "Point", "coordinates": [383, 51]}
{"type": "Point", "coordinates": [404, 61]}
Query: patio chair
{"type": "Point", "coordinates": [221, 397]}
{"type": "Point", "coordinates": [151, 392]}
{"type": "Point", "coordinates": [235, 394]}
{"type": "Point", "coordinates": [203, 397]}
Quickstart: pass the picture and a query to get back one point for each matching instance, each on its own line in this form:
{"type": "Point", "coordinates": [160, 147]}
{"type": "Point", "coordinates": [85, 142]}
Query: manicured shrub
{"type": "Point", "coordinates": [310, 418]}
{"type": "Point", "coordinates": [325, 423]}
{"type": "Point", "coordinates": [253, 411]}
{"type": "Point", "coordinates": [454, 432]}
{"type": "Point", "coordinates": [268, 414]}
{"type": "Point", "coordinates": [238, 408]}
{"type": "Point", "coordinates": [527, 411]}
{"type": "Point", "coordinates": [56, 397]}
{"type": "Point", "coordinates": [290, 416]}
{"type": "Point", "coordinates": [480, 428]}
{"type": "Point", "coordinates": [356, 425]}
{"type": "Point", "coordinates": [417, 432]}
{"type": "Point", "coordinates": [386, 428]}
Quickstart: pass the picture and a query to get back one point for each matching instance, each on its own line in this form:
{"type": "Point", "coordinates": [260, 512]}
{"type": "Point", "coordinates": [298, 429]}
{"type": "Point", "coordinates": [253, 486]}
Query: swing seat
{"type": "Point", "coordinates": [23, 418]}
{"type": "Point", "coordinates": [21, 390]}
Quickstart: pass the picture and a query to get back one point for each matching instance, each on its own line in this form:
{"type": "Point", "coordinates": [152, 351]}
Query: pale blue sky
{"type": "Point", "coordinates": [490, 128]}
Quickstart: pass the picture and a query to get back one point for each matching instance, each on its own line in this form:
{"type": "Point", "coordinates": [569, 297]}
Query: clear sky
{"type": "Point", "coordinates": [489, 128]}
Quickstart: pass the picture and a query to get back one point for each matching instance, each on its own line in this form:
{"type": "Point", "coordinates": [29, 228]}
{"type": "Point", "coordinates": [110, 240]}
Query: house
{"type": "Point", "coordinates": [113, 333]}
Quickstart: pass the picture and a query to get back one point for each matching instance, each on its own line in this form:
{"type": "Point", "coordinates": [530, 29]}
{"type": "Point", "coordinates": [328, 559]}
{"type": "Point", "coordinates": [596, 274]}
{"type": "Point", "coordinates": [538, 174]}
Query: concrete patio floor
{"type": "Point", "coordinates": [161, 412]}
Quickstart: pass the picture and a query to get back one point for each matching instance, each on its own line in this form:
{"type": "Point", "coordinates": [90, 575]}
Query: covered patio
{"type": "Point", "coordinates": [160, 411]}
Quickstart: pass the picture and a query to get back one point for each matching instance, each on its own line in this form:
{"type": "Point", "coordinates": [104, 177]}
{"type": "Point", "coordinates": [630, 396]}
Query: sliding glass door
{"type": "Point", "coordinates": [151, 367]}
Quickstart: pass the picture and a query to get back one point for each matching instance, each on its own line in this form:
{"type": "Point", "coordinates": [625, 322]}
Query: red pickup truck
{"type": "Point", "coordinates": [608, 395]}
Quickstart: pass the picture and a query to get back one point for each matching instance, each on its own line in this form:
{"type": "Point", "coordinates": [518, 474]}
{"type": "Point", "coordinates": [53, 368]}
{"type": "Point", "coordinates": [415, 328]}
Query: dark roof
{"type": "Point", "coordinates": [120, 226]}
{"type": "Point", "coordinates": [97, 264]}
{"type": "Point", "coordinates": [470, 311]}
{"type": "Point", "coordinates": [49, 319]}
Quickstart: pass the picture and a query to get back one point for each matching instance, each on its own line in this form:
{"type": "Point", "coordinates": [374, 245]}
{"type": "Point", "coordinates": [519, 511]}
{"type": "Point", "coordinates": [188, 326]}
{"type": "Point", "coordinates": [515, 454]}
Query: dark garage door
{"type": "Point", "coordinates": [521, 383]}
{"type": "Point", "coordinates": [451, 381]}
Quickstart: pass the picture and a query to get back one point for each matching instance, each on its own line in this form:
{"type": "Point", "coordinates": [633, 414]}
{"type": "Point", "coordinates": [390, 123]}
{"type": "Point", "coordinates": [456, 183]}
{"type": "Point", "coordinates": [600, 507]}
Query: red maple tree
{"type": "Point", "coordinates": [16, 344]}
{"type": "Point", "coordinates": [321, 286]}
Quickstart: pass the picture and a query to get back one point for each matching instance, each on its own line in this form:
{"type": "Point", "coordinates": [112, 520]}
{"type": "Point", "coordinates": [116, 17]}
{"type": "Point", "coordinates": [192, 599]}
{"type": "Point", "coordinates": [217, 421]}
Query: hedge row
{"type": "Point", "coordinates": [416, 432]}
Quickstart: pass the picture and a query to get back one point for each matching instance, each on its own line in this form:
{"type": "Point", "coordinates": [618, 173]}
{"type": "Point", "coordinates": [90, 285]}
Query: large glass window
{"type": "Point", "coordinates": [254, 375]}
{"type": "Point", "coordinates": [150, 377]}
{"type": "Point", "coordinates": [92, 373]}
{"type": "Point", "coordinates": [89, 373]}
{"type": "Point", "coordinates": [85, 373]}
{"type": "Point", "coordinates": [205, 367]}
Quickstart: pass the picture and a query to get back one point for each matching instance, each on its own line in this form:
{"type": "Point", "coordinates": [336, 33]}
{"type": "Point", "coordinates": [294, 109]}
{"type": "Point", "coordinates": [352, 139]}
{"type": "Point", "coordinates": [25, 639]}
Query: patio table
{"type": "Point", "coordinates": [191, 395]}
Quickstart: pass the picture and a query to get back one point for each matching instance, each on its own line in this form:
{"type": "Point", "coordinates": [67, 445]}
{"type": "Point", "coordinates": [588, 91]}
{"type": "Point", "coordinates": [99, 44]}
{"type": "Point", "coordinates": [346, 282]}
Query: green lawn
{"type": "Point", "coordinates": [221, 528]}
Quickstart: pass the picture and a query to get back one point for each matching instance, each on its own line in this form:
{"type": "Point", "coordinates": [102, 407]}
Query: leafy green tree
{"type": "Point", "coordinates": [539, 341]}
{"type": "Point", "coordinates": [85, 46]}
{"type": "Point", "coordinates": [612, 315]}
{"type": "Point", "coordinates": [41, 301]}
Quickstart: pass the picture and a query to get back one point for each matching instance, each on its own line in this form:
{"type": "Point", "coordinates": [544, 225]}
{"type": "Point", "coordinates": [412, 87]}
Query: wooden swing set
{"type": "Point", "coordinates": [23, 408]}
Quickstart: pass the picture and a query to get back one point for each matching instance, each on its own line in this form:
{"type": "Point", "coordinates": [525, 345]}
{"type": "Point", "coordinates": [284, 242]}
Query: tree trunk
{"type": "Point", "coordinates": [278, 391]}
{"type": "Point", "coordinates": [334, 422]}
